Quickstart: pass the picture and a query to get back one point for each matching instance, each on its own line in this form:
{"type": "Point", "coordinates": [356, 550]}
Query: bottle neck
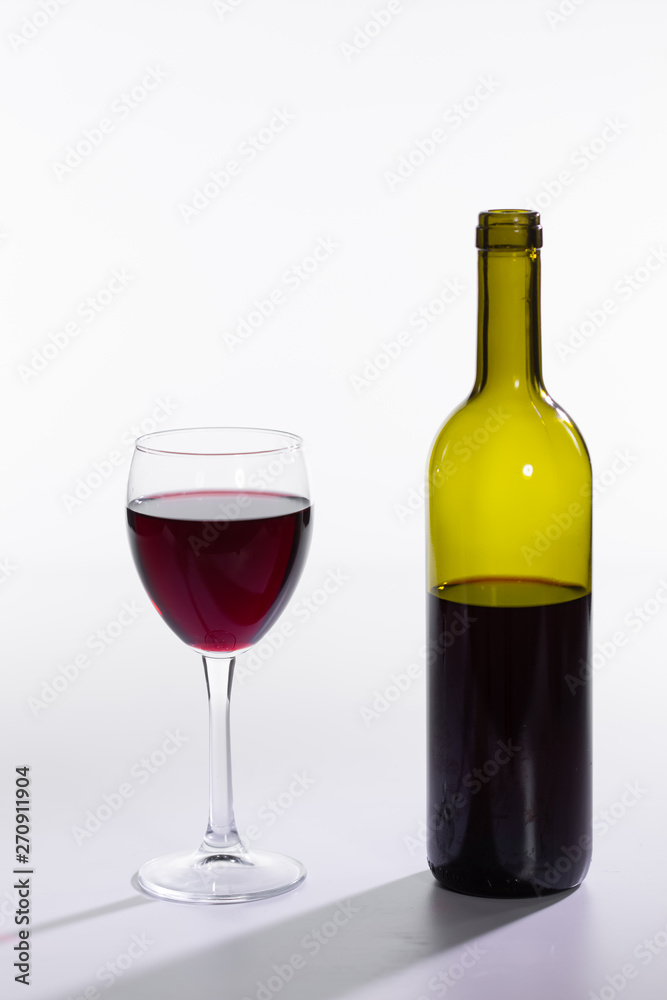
{"type": "Point", "coordinates": [508, 326]}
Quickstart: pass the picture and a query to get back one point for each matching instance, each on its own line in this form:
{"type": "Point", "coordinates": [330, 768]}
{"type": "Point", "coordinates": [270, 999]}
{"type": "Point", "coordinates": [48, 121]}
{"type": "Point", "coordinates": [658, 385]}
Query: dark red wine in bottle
{"type": "Point", "coordinates": [509, 796]}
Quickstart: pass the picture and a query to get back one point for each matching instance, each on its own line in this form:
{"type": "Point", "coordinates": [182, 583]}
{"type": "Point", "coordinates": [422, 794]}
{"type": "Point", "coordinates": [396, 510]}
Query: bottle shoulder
{"type": "Point", "coordinates": [534, 420]}
{"type": "Point", "coordinates": [554, 415]}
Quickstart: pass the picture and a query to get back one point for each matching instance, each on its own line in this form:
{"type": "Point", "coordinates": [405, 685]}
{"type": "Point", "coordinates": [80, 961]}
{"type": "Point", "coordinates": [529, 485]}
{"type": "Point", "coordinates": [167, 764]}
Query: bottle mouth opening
{"type": "Point", "coordinates": [509, 229]}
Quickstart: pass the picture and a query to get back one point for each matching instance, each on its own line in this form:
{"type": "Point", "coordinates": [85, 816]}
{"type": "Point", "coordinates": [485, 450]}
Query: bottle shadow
{"type": "Point", "coordinates": [333, 949]}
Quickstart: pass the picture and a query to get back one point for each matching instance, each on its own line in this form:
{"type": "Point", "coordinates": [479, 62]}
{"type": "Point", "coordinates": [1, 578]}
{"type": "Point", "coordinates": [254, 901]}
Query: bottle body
{"type": "Point", "coordinates": [509, 590]}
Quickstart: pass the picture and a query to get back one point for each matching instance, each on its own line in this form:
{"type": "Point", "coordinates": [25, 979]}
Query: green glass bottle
{"type": "Point", "coordinates": [509, 591]}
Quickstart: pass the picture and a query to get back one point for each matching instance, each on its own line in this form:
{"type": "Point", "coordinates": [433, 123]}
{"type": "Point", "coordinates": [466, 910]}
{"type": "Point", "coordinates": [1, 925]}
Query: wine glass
{"type": "Point", "coordinates": [219, 521]}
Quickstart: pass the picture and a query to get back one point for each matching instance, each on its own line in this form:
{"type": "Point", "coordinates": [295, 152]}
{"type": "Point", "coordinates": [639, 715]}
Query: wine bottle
{"type": "Point", "coordinates": [509, 592]}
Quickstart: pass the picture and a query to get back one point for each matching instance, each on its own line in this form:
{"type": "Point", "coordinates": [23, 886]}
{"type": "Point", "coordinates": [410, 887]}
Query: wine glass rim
{"type": "Point", "coordinates": [146, 442]}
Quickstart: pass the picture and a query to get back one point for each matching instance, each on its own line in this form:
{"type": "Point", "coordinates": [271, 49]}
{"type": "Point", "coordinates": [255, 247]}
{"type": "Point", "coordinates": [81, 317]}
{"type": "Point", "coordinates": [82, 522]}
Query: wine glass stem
{"type": "Point", "coordinates": [221, 833]}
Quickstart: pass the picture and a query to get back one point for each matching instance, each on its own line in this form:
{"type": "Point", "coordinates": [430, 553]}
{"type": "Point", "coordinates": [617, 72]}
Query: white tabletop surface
{"type": "Point", "coordinates": [356, 827]}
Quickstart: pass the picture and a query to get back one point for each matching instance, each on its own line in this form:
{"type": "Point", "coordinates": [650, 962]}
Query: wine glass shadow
{"type": "Point", "coordinates": [96, 911]}
{"type": "Point", "coordinates": [363, 938]}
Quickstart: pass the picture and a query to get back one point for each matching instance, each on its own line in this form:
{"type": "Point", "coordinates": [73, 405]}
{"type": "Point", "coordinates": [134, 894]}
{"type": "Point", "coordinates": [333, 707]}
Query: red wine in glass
{"type": "Point", "coordinates": [219, 566]}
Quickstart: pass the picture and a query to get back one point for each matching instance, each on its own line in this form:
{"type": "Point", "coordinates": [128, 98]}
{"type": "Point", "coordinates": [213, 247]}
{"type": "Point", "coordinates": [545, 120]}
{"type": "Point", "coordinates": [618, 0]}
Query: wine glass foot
{"type": "Point", "coordinates": [234, 876]}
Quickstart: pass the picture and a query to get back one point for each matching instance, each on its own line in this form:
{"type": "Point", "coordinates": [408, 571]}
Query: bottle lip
{"type": "Point", "coordinates": [509, 229]}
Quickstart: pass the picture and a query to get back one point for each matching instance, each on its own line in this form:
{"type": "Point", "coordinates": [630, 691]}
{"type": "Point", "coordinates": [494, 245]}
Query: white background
{"type": "Point", "coordinates": [355, 105]}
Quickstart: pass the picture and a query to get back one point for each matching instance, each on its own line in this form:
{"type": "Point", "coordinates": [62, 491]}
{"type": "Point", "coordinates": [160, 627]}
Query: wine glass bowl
{"type": "Point", "coordinates": [219, 521]}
